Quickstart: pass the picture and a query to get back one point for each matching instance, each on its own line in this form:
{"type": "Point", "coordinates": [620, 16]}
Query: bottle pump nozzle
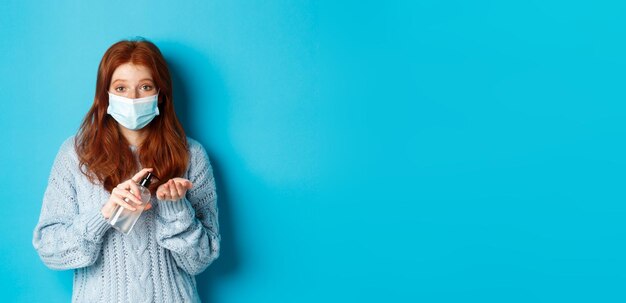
{"type": "Point", "coordinates": [145, 182]}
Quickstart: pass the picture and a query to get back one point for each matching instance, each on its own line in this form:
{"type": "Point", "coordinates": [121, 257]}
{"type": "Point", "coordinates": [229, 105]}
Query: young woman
{"type": "Point", "coordinates": [130, 130]}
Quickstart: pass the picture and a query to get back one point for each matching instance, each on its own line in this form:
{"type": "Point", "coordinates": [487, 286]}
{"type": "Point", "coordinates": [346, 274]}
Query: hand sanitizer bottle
{"type": "Point", "coordinates": [123, 219]}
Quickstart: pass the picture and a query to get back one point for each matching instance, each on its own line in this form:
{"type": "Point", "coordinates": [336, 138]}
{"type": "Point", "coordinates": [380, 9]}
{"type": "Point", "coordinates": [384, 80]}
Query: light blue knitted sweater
{"type": "Point", "coordinates": [156, 262]}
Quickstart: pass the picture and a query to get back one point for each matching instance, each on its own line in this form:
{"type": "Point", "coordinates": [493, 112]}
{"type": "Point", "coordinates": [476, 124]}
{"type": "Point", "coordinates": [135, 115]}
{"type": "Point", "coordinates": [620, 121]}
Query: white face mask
{"type": "Point", "coordinates": [131, 113]}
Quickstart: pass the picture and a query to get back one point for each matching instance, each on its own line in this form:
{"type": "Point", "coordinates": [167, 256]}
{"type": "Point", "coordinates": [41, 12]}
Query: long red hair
{"type": "Point", "coordinates": [104, 154]}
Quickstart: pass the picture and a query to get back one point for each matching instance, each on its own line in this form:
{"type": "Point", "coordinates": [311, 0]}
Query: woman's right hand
{"type": "Point", "coordinates": [121, 195]}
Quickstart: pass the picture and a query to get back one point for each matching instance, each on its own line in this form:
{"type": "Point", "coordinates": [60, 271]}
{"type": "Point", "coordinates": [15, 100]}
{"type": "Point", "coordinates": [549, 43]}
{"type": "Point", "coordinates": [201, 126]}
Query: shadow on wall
{"type": "Point", "coordinates": [180, 61]}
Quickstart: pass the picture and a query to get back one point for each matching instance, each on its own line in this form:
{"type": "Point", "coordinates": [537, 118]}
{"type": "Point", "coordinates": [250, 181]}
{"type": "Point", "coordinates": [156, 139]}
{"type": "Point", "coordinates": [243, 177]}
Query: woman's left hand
{"type": "Point", "coordinates": [174, 189]}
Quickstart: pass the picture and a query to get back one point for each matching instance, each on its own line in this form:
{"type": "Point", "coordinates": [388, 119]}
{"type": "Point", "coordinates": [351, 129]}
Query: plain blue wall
{"type": "Point", "coordinates": [365, 151]}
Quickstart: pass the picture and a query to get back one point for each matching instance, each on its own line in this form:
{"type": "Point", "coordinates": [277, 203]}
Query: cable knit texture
{"type": "Point", "coordinates": [156, 262]}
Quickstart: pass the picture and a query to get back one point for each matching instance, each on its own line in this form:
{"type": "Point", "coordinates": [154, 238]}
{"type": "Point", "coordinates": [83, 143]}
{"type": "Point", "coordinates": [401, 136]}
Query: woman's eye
{"type": "Point", "coordinates": [119, 89]}
{"type": "Point", "coordinates": [146, 87]}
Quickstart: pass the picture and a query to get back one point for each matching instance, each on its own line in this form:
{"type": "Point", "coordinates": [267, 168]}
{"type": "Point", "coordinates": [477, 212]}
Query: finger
{"type": "Point", "coordinates": [166, 192]}
{"type": "Point", "coordinates": [173, 191]}
{"type": "Point", "coordinates": [125, 195]}
{"type": "Point", "coordinates": [180, 189]}
{"type": "Point", "coordinates": [123, 204]}
{"type": "Point", "coordinates": [186, 183]}
{"type": "Point", "coordinates": [137, 177]}
{"type": "Point", "coordinates": [163, 191]}
{"type": "Point", "coordinates": [135, 188]}
{"type": "Point", "coordinates": [128, 186]}
{"type": "Point", "coordinates": [160, 195]}
{"type": "Point", "coordinates": [148, 206]}
{"type": "Point", "coordinates": [124, 185]}
{"type": "Point", "coordinates": [136, 191]}
{"type": "Point", "coordinates": [168, 189]}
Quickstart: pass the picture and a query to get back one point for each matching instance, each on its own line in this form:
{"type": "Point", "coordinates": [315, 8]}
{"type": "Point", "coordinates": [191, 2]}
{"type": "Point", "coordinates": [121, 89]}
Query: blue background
{"type": "Point", "coordinates": [365, 151]}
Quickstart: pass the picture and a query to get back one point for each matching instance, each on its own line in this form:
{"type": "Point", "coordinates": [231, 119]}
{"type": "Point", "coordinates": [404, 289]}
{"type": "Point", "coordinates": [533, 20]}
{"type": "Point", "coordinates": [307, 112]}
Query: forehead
{"type": "Point", "coordinates": [131, 72]}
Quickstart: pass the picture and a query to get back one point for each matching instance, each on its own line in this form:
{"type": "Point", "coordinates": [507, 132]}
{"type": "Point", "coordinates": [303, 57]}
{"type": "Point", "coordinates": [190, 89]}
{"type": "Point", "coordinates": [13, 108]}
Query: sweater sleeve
{"type": "Point", "coordinates": [189, 227]}
{"type": "Point", "coordinates": [64, 237]}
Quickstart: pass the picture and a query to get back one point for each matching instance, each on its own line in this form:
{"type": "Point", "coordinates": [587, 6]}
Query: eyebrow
{"type": "Point", "coordinates": [122, 80]}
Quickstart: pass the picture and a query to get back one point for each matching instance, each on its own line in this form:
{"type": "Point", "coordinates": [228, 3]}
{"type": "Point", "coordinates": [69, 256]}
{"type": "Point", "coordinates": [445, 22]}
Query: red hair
{"type": "Point", "coordinates": [104, 154]}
